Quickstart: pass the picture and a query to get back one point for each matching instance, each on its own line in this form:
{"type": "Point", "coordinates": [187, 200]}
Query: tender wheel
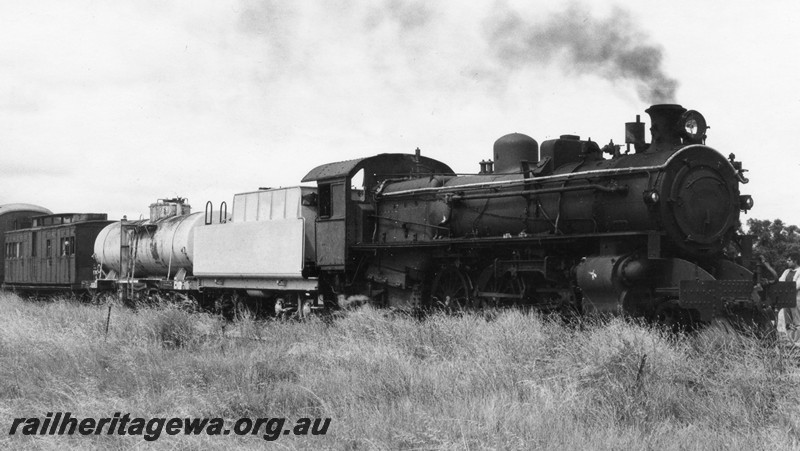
{"type": "Point", "coordinates": [451, 289]}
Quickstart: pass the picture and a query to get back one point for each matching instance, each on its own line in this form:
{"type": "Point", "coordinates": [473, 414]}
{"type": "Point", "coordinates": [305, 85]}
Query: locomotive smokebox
{"type": "Point", "coordinates": [664, 120]}
{"type": "Point", "coordinates": [512, 149]}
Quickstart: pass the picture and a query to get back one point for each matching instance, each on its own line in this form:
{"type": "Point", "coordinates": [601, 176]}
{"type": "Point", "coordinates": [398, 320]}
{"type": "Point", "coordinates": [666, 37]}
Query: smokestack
{"type": "Point", "coordinates": [664, 121]}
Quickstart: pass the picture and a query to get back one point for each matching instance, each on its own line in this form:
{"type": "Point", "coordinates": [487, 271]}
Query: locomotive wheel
{"type": "Point", "coordinates": [506, 287]}
{"type": "Point", "coordinates": [674, 318]}
{"type": "Point", "coordinates": [451, 290]}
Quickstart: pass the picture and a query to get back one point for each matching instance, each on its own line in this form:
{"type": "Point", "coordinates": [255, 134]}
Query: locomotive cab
{"type": "Point", "coordinates": [346, 214]}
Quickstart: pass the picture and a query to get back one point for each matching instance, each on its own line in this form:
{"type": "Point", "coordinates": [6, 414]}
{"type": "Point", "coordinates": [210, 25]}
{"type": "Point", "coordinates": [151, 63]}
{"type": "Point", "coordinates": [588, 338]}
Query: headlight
{"type": "Point", "coordinates": [693, 127]}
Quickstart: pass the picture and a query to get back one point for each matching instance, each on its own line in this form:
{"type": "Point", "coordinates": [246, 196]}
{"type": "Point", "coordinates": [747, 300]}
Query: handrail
{"type": "Point", "coordinates": [209, 212]}
{"type": "Point", "coordinates": [596, 187]}
{"type": "Point", "coordinates": [223, 212]}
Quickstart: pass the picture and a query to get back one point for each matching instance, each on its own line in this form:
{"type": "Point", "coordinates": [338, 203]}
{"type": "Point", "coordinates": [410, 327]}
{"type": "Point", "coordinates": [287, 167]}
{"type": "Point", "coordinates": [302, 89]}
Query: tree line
{"type": "Point", "coordinates": [774, 240]}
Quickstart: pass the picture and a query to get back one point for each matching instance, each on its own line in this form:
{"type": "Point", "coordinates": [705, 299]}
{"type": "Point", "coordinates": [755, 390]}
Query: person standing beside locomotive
{"type": "Point", "coordinates": [789, 318]}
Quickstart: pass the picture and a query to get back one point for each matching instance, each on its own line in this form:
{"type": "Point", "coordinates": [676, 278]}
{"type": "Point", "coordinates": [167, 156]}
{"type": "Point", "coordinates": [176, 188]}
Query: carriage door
{"type": "Point", "coordinates": [332, 224]}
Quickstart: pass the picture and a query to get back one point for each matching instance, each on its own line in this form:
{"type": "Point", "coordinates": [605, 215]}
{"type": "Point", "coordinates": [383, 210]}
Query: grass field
{"type": "Point", "coordinates": [512, 381]}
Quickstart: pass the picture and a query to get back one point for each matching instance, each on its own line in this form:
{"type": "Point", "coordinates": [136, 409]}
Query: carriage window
{"type": "Point", "coordinates": [49, 249]}
{"type": "Point", "coordinates": [34, 242]}
{"type": "Point", "coordinates": [12, 250]}
{"type": "Point", "coordinates": [68, 246]}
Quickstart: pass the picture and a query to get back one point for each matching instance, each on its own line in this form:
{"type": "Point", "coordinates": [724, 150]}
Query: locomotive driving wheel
{"type": "Point", "coordinates": [674, 318]}
{"type": "Point", "coordinates": [451, 289]}
{"type": "Point", "coordinates": [500, 289]}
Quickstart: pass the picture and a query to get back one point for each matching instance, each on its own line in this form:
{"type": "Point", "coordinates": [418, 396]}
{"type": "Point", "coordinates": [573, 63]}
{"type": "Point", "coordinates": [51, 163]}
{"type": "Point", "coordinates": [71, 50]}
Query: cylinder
{"type": "Point", "coordinates": [159, 248]}
{"type": "Point", "coordinates": [597, 280]}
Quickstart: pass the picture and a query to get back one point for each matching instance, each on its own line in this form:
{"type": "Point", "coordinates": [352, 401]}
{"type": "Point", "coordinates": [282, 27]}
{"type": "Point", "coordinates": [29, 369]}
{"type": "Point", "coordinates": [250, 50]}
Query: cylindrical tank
{"type": "Point", "coordinates": [159, 248]}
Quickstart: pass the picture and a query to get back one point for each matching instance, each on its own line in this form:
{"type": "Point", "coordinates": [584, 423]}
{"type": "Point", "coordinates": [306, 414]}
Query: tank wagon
{"type": "Point", "coordinates": [140, 255]}
{"type": "Point", "coordinates": [263, 251]}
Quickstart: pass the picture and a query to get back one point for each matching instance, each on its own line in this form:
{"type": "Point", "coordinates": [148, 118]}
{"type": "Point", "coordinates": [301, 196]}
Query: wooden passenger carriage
{"type": "Point", "coordinates": [53, 253]}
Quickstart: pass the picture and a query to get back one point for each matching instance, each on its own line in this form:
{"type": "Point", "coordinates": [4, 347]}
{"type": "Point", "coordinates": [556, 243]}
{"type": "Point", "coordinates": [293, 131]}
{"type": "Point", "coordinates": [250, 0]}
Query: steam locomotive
{"type": "Point", "coordinates": [552, 227]}
{"type": "Point", "coordinates": [556, 227]}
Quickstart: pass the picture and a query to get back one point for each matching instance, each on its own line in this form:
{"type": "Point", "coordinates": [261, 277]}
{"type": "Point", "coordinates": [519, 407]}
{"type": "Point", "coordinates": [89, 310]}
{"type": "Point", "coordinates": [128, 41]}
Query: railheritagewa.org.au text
{"type": "Point", "coordinates": [63, 423]}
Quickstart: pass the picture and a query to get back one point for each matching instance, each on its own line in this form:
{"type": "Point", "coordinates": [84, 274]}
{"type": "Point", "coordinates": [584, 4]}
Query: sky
{"type": "Point", "coordinates": [108, 106]}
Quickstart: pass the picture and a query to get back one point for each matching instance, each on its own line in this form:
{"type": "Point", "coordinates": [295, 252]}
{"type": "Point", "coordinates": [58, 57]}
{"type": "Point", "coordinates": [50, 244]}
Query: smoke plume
{"type": "Point", "coordinates": [614, 48]}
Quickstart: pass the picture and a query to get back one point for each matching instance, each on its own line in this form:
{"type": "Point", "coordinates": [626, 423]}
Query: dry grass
{"type": "Point", "coordinates": [515, 382]}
